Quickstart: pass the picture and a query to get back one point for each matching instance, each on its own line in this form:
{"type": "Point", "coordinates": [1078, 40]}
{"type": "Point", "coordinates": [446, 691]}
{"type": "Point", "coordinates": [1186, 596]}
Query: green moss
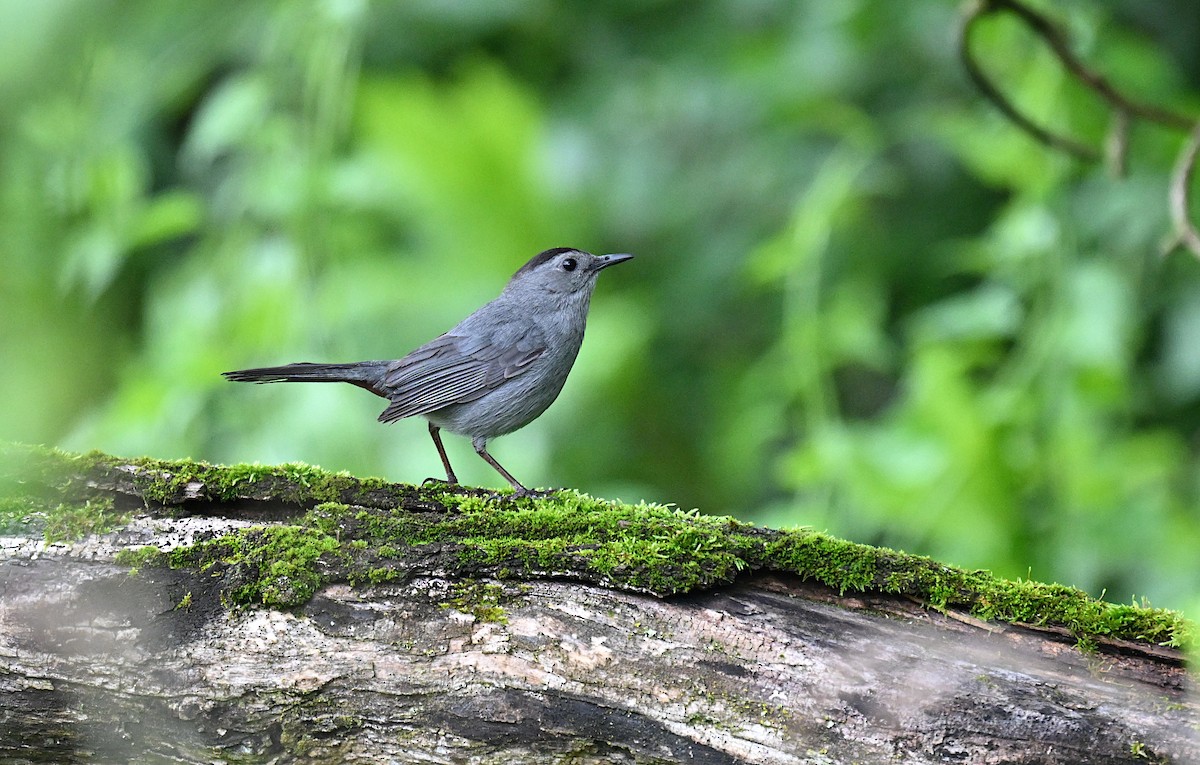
{"type": "Point", "coordinates": [21, 515]}
{"type": "Point", "coordinates": [172, 482]}
{"type": "Point", "coordinates": [293, 483]}
{"type": "Point", "coordinates": [70, 523]}
{"type": "Point", "coordinates": [647, 548]}
{"type": "Point", "coordinates": [379, 575]}
{"type": "Point", "coordinates": [274, 565]}
{"type": "Point", "coordinates": [41, 494]}
{"type": "Point", "coordinates": [483, 600]}
{"type": "Point", "coordinates": [143, 556]}
{"type": "Point", "coordinates": [369, 532]}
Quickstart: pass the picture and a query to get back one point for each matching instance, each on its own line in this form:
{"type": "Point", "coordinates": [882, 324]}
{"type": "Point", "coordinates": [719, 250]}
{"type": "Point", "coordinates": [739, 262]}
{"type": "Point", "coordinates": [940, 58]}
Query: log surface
{"type": "Point", "coordinates": [99, 666]}
{"type": "Point", "coordinates": [99, 663]}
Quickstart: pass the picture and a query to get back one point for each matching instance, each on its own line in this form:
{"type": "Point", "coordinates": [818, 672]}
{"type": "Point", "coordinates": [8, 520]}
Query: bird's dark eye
{"type": "Point", "coordinates": [569, 264]}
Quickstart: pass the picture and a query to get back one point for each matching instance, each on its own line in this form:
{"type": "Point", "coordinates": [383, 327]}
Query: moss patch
{"type": "Point", "coordinates": [645, 548]}
{"type": "Point", "coordinates": [344, 529]}
{"type": "Point", "coordinates": [176, 482]}
{"type": "Point", "coordinates": [276, 565]}
{"type": "Point", "coordinates": [20, 515]}
{"type": "Point", "coordinates": [38, 497]}
{"type": "Point", "coordinates": [482, 600]}
{"type": "Point", "coordinates": [72, 522]}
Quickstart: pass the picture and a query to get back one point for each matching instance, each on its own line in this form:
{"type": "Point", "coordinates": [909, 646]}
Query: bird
{"type": "Point", "coordinates": [495, 372]}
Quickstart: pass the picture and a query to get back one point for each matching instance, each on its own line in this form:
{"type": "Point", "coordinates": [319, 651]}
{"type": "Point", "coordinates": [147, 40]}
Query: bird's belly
{"type": "Point", "coordinates": [511, 406]}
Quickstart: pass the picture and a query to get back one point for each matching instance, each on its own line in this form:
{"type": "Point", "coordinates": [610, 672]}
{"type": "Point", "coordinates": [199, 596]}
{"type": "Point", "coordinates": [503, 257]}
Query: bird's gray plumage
{"type": "Point", "coordinates": [493, 373]}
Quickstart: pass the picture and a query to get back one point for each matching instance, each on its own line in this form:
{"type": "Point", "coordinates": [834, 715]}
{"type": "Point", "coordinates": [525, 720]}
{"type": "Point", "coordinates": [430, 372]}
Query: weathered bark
{"type": "Point", "coordinates": [101, 664]}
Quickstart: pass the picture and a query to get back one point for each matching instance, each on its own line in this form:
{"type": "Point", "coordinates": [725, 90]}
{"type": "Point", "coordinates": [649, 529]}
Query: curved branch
{"type": "Point", "coordinates": [1186, 233]}
{"type": "Point", "coordinates": [1124, 110]}
{"type": "Point", "coordinates": [1057, 42]}
{"type": "Point", "coordinates": [989, 89]}
{"type": "Point", "coordinates": [1123, 106]}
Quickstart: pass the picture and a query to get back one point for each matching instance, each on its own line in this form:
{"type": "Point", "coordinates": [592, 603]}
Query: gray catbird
{"type": "Point", "coordinates": [495, 372]}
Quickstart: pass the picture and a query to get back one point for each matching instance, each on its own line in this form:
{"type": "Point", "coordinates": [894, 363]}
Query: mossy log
{"type": "Point", "coordinates": [179, 612]}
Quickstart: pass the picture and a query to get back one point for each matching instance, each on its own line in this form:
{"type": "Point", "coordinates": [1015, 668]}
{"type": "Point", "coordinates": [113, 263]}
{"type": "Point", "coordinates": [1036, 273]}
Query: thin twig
{"type": "Point", "coordinates": [1057, 41]}
{"type": "Point", "coordinates": [1053, 140]}
{"type": "Point", "coordinates": [1186, 234]}
{"type": "Point", "coordinates": [1116, 147]}
{"type": "Point", "coordinates": [1124, 109]}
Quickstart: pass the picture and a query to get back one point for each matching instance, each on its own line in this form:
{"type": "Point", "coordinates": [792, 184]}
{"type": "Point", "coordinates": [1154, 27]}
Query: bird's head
{"type": "Point", "coordinates": [562, 271]}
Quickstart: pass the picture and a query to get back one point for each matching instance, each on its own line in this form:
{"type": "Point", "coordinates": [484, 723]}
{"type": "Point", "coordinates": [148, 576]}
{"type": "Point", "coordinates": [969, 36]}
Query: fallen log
{"type": "Point", "coordinates": [158, 611]}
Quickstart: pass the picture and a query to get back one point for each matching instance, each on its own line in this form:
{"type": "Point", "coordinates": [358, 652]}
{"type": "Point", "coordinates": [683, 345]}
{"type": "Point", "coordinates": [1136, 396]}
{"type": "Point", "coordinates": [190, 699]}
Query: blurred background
{"type": "Point", "coordinates": [863, 301]}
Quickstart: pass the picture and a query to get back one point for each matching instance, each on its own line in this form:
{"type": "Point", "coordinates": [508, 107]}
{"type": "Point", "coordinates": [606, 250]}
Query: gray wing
{"type": "Point", "coordinates": [454, 369]}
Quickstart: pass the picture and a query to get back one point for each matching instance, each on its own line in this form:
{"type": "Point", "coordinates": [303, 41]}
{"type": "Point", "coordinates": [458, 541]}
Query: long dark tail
{"type": "Point", "coordinates": [364, 374]}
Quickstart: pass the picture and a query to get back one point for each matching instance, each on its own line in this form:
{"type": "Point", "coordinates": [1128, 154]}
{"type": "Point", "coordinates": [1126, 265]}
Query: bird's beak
{"type": "Point", "coordinates": [611, 260]}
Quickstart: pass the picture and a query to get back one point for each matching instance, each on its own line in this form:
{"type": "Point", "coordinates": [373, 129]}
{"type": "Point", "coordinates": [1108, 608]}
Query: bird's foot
{"type": "Point", "coordinates": [446, 485]}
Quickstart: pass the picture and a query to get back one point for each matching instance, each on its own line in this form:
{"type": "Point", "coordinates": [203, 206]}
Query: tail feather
{"type": "Point", "coordinates": [364, 374]}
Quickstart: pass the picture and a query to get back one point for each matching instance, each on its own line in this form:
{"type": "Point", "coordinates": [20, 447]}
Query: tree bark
{"type": "Point", "coordinates": [101, 663]}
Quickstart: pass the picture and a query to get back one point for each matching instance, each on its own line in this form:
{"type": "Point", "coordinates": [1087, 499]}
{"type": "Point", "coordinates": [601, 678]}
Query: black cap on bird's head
{"type": "Point", "coordinates": [566, 268]}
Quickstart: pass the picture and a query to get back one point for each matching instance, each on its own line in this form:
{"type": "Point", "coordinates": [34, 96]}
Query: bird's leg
{"type": "Point", "coordinates": [480, 445]}
{"type": "Point", "coordinates": [437, 441]}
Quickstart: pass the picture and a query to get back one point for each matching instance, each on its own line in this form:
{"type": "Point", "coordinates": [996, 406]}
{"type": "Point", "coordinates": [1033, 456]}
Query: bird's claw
{"type": "Point", "coordinates": [449, 485]}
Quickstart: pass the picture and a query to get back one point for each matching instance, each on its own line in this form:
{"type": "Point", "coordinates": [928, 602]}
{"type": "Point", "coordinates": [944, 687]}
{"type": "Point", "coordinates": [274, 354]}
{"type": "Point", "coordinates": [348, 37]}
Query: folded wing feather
{"type": "Point", "coordinates": [453, 369]}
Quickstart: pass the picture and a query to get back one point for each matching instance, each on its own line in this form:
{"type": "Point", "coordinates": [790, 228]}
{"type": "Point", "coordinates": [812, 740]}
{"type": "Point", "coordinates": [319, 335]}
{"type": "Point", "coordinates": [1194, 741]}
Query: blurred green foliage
{"type": "Point", "coordinates": [863, 301]}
